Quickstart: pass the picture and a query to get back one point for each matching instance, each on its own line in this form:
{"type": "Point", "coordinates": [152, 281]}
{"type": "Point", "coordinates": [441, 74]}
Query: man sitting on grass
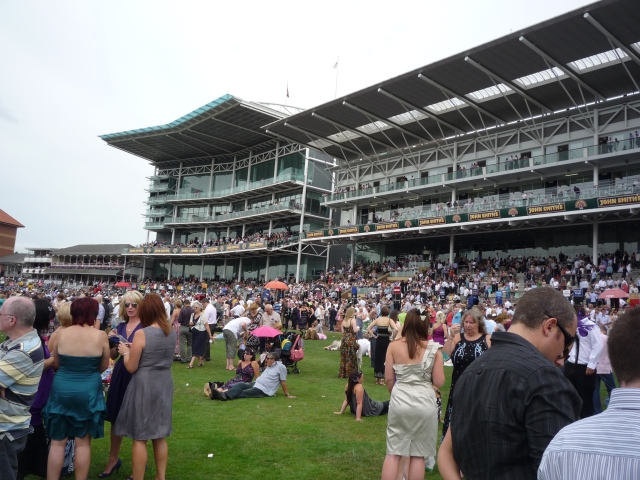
{"type": "Point", "coordinates": [265, 386]}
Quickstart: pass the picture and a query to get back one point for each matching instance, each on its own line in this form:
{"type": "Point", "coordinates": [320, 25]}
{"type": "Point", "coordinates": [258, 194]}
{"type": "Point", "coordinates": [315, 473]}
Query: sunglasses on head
{"type": "Point", "coordinates": [568, 341]}
{"type": "Point", "coordinates": [127, 305]}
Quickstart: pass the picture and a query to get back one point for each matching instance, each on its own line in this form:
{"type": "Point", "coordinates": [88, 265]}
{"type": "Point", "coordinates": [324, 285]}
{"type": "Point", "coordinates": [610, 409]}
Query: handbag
{"type": "Point", "coordinates": [297, 353]}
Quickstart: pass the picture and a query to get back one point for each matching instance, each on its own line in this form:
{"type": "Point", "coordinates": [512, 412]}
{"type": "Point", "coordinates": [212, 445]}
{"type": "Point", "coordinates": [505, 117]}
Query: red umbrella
{"type": "Point", "coordinates": [266, 331]}
{"type": "Point", "coordinates": [614, 293]}
{"type": "Point", "coordinates": [276, 285]}
{"type": "Point", "coordinates": [123, 285]}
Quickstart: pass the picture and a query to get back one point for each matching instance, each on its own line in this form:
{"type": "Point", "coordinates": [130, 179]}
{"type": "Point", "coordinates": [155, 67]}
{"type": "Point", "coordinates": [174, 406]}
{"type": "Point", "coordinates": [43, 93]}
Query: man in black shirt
{"type": "Point", "coordinates": [513, 399]}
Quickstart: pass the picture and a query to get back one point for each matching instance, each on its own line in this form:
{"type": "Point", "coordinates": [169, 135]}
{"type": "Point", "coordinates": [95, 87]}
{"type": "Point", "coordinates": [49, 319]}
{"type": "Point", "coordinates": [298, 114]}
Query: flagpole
{"type": "Point", "coordinates": [335, 93]}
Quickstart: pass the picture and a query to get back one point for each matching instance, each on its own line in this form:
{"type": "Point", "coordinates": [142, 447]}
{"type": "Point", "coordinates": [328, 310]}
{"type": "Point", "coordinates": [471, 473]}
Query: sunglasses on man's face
{"type": "Point", "coordinates": [127, 305]}
{"type": "Point", "coordinates": [568, 341]}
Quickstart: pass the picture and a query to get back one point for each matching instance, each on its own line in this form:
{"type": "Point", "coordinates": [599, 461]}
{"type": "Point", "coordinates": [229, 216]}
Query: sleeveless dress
{"type": "Point", "coordinates": [348, 353]}
{"type": "Point", "coordinates": [382, 343]}
{"type": "Point", "coordinates": [370, 408]}
{"type": "Point", "coordinates": [120, 378]}
{"type": "Point", "coordinates": [412, 428]}
{"type": "Point", "coordinates": [147, 406]}
{"type": "Point", "coordinates": [464, 354]}
{"type": "Point", "coordinates": [76, 404]}
{"type": "Point", "coordinates": [243, 375]}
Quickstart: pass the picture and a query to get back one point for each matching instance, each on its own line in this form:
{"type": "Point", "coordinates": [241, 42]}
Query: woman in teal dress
{"type": "Point", "coordinates": [76, 406]}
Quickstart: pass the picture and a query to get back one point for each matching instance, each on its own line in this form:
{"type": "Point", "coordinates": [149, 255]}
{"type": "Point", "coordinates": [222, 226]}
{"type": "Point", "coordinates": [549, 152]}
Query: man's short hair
{"type": "Point", "coordinates": [24, 310]}
{"type": "Point", "coordinates": [538, 304]}
{"type": "Point", "coordinates": [623, 347]}
{"type": "Point", "coordinates": [273, 355]}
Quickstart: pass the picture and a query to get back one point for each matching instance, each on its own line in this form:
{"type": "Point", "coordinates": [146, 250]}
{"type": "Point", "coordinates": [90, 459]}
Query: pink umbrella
{"type": "Point", "coordinates": [614, 293]}
{"type": "Point", "coordinates": [266, 331]}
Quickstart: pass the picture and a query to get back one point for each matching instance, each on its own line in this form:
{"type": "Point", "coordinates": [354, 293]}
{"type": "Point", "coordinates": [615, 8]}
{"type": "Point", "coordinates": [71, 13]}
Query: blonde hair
{"type": "Point", "coordinates": [441, 317]}
{"type": "Point", "coordinates": [132, 296]}
{"type": "Point", "coordinates": [178, 304]}
{"type": "Point", "coordinates": [64, 314]}
{"type": "Point", "coordinates": [254, 306]}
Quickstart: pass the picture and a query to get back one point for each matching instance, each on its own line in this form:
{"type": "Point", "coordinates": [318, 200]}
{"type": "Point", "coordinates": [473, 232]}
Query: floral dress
{"type": "Point", "coordinates": [348, 353]}
{"type": "Point", "coordinates": [254, 342]}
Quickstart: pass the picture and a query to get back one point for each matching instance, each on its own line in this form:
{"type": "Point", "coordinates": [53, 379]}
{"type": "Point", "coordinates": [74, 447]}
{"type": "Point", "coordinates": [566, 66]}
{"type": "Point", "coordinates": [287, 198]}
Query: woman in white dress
{"type": "Point", "coordinates": [413, 366]}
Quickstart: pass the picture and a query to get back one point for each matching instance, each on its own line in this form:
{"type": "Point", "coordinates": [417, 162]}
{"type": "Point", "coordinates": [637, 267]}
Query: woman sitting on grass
{"type": "Point", "coordinates": [358, 400]}
{"type": "Point", "coordinates": [247, 371]}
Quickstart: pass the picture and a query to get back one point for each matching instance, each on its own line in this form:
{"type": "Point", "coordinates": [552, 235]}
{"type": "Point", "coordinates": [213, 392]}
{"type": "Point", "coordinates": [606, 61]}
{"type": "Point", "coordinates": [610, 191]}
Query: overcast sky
{"type": "Point", "coordinates": [73, 70]}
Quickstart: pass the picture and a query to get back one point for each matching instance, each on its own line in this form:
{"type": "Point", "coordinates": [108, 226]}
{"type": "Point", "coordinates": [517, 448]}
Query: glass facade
{"type": "Point", "coordinates": [222, 181]}
{"type": "Point", "coordinates": [187, 236]}
{"type": "Point", "coordinates": [195, 184]}
{"type": "Point", "coordinates": [240, 179]}
{"type": "Point", "coordinates": [292, 163]}
{"type": "Point", "coordinates": [197, 211]}
{"type": "Point", "coordinates": [262, 171]}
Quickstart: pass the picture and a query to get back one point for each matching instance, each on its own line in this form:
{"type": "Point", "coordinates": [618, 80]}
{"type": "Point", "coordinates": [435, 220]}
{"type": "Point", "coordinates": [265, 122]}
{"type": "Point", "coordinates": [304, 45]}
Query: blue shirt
{"type": "Point", "coordinates": [606, 445]}
{"type": "Point", "coordinates": [270, 379]}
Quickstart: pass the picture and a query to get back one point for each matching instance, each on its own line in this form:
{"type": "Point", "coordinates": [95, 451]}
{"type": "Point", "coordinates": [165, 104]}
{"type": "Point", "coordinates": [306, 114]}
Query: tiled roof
{"type": "Point", "coordinates": [9, 220]}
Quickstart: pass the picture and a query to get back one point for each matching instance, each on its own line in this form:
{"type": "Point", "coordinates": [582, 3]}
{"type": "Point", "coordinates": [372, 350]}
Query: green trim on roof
{"type": "Point", "coordinates": [175, 123]}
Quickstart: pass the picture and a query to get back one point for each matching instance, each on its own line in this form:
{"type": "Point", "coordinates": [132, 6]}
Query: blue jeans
{"type": "Point", "coordinates": [359, 335]}
{"type": "Point", "coordinates": [609, 382]}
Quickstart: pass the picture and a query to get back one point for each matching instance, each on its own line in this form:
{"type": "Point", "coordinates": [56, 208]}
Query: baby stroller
{"type": "Point", "coordinates": [292, 352]}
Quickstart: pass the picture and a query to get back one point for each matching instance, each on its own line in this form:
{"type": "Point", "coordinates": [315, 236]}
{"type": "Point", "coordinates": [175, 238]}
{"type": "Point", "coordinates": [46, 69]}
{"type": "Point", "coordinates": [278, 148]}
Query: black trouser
{"type": "Point", "coordinates": [584, 385]}
{"type": "Point", "coordinates": [332, 323]}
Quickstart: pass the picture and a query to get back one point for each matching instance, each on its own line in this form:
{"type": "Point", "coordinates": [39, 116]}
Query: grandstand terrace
{"type": "Point", "coordinates": [527, 145]}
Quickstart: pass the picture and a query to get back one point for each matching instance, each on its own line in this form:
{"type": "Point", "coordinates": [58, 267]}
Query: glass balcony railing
{"type": "Point", "coordinates": [158, 187]}
{"type": "Point", "coordinates": [153, 225]}
{"type": "Point", "coordinates": [157, 200]}
{"type": "Point", "coordinates": [619, 146]}
{"type": "Point", "coordinates": [157, 213]}
{"type": "Point", "coordinates": [295, 176]}
{"type": "Point", "coordinates": [235, 215]}
{"type": "Point", "coordinates": [157, 178]}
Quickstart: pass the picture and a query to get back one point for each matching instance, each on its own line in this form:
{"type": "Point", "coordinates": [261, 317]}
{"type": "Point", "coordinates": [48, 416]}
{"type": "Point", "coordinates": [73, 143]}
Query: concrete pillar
{"type": "Point", "coordinates": [596, 172]}
{"type": "Point", "coordinates": [249, 168]}
{"type": "Point", "coordinates": [451, 247]}
{"type": "Point", "coordinates": [224, 269]}
{"type": "Point", "coordinates": [170, 267]}
{"type": "Point", "coordinates": [454, 193]}
{"type": "Point", "coordinates": [144, 267]}
{"type": "Point", "coordinates": [594, 259]}
{"type": "Point", "coordinates": [240, 269]}
{"type": "Point", "coordinates": [202, 270]}
{"type": "Point", "coordinates": [270, 227]}
{"type": "Point", "coordinates": [124, 268]}
{"type": "Point", "coordinates": [173, 236]}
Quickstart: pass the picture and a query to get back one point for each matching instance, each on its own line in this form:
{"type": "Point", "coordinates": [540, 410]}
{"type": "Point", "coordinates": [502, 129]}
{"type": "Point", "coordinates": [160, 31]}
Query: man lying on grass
{"type": "Point", "coordinates": [265, 386]}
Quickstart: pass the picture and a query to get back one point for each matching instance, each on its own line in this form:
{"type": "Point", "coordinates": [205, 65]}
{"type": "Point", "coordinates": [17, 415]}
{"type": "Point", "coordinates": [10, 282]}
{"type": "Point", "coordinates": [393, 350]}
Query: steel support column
{"type": "Point", "coordinates": [451, 247]}
{"type": "Point", "coordinates": [353, 254]}
{"type": "Point", "coordinates": [594, 260]}
{"type": "Point", "coordinates": [202, 270]}
{"type": "Point", "coordinates": [304, 209]}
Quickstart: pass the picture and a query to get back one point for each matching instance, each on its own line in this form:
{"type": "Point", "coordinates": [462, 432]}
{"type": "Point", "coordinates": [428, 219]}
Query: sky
{"type": "Point", "coordinates": [73, 70]}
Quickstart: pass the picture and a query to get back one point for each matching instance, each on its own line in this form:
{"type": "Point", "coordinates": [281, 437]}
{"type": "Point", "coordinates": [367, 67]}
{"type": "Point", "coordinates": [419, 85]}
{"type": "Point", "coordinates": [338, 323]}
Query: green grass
{"type": "Point", "coordinates": [269, 438]}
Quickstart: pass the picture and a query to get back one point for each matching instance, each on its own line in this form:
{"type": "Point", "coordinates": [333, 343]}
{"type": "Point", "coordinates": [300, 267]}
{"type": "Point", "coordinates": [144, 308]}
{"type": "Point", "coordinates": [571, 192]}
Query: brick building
{"type": "Point", "coordinates": [8, 230]}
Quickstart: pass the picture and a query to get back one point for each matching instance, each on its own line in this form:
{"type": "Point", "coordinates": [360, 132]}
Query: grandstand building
{"type": "Point", "coordinates": [527, 145]}
{"type": "Point", "coordinates": [228, 200]}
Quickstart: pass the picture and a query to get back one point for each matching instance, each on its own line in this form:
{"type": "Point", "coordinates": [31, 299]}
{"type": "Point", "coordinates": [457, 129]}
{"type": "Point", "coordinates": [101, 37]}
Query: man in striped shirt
{"type": "Point", "coordinates": [606, 445]}
{"type": "Point", "coordinates": [21, 363]}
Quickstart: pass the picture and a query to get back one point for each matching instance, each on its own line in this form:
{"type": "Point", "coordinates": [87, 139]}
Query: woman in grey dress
{"type": "Point", "coordinates": [146, 409]}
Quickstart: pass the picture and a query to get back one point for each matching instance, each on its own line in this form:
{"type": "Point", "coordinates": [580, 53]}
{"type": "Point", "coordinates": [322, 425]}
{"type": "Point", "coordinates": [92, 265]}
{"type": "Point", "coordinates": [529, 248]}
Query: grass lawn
{"type": "Point", "coordinates": [269, 438]}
